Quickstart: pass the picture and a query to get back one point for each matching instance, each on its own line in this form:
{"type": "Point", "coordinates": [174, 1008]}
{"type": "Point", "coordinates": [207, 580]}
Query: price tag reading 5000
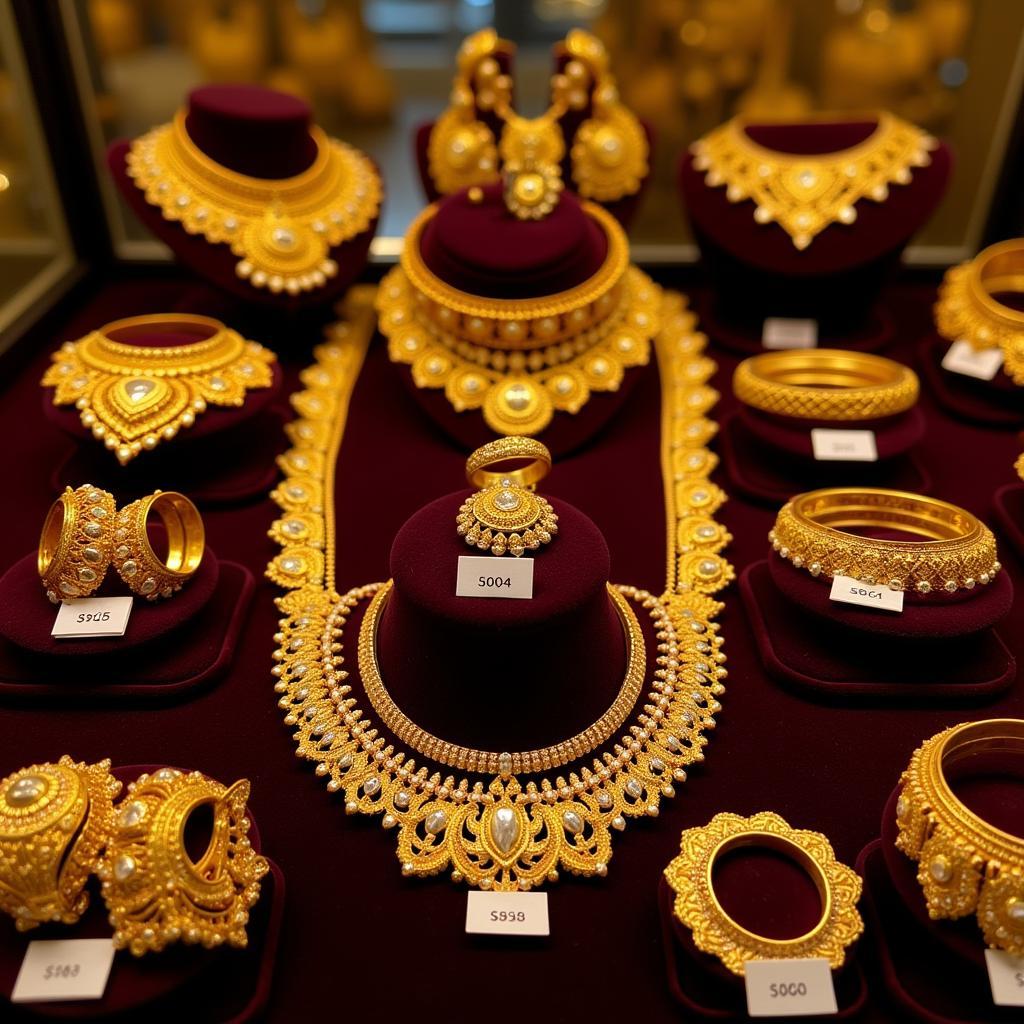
{"type": "Point", "coordinates": [789, 988]}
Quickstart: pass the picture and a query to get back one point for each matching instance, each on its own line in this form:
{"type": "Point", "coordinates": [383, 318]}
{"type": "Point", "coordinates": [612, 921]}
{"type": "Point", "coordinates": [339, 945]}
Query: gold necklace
{"type": "Point", "coordinates": [504, 832]}
{"type": "Point", "coordinates": [520, 360]}
{"type": "Point", "coordinates": [281, 228]}
{"type": "Point", "coordinates": [132, 397]}
{"type": "Point", "coordinates": [493, 763]}
{"type": "Point", "coordinates": [805, 193]}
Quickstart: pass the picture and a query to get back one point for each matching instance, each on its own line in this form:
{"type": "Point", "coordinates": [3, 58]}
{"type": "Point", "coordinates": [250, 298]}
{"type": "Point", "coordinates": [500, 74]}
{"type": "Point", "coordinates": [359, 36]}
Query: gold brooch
{"type": "Point", "coordinates": [608, 152]}
{"type": "Point", "coordinates": [132, 397]}
{"type": "Point", "coordinates": [507, 514]}
{"type": "Point", "coordinates": [804, 194]}
{"type": "Point", "coordinates": [965, 865]}
{"type": "Point", "coordinates": [282, 229]}
{"type": "Point", "coordinates": [520, 360]}
{"type": "Point", "coordinates": [698, 907]}
{"type": "Point", "coordinates": [76, 543]}
{"type": "Point", "coordinates": [54, 821]}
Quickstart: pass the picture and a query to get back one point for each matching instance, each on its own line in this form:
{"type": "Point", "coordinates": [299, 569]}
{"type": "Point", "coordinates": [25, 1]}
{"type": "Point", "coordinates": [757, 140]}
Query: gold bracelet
{"type": "Point", "coordinates": [698, 907]}
{"type": "Point", "coordinates": [825, 384]}
{"type": "Point", "coordinates": [965, 865]}
{"type": "Point", "coordinates": [76, 543]}
{"type": "Point", "coordinates": [958, 550]}
{"type": "Point", "coordinates": [967, 309]}
{"type": "Point", "coordinates": [495, 763]}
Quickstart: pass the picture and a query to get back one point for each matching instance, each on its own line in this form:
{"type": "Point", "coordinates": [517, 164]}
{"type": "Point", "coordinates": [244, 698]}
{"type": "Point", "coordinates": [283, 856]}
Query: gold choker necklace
{"type": "Point", "coordinates": [132, 397]}
{"type": "Point", "coordinates": [805, 193]}
{"type": "Point", "coordinates": [520, 360]}
{"type": "Point", "coordinates": [281, 228]}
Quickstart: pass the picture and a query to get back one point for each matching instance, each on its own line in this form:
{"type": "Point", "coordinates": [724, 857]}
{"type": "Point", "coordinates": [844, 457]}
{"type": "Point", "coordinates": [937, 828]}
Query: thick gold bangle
{"type": "Point", "coordinates": [965, 865]}
{"type": "Point", "coordinates": [825, 384]}
{"type": "Point", "coordinates": [138, 564]}
{"type": "Point", "coordinates": [505, 449]}
{"type": "Point", "coordinates": [958, 551]}
{"type": "Point", "coordinates": [967, 309]}
{"type": "Point", "coordinates": [76, 543]}
{"type": "Point", "coordinates": [697, 905]}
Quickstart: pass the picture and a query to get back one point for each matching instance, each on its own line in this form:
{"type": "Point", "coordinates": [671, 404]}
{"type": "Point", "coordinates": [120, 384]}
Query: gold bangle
{"type": "Point", "coordinates": [155, 892]}
{"type": "Point", "coordinates": [825, 384]}
{"type": "Point", "coordinates": [495, 763]}
{"type": "Point", "coordinates": [958, 551]}
{"type": "Point", "coordinates": [76, 543]}
{"type": "Point", "coordinates": [967, 309]}
{"type": "Point", "coordinates": [54, 820]}
{"type": "Point", "coordinates": [134, 558]}
{"type": "Point", "coordinates": [964, 863]}
{"type": "Point", "coordinates": [697, 906]}
{"type": "Point", "coordinates": [504, 449]}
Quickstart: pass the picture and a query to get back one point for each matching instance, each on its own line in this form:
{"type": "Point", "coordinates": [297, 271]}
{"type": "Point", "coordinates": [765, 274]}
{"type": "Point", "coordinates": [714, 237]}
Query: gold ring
{"type": "Point", "coordinates": [155, 892]}
{"type": "Point", "coordinates": [54, 820]}
{"type": "Point", "coordinates": [134, 558]}
{"type": "Point", "coordinates": [698, 907]}
{"type": "Point", "coordinates": [965, 865]}
{"type": "Point", "coordinates": [958, 551]}
{"type": "Point", "coordinates": [825, 384]}
{"type": "Point", "coordinates": [506, 514]}
{"type": "Point", "coordinates": [75, 544]}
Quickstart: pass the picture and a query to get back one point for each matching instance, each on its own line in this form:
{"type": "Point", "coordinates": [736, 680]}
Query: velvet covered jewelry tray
{"type": "Point", "coordinates": [997, 403]}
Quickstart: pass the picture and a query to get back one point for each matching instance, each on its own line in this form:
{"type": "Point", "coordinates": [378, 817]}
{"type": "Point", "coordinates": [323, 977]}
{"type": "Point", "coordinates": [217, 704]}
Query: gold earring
{"type": "Point", "coordinates": [75, 544]}
{"type": "Point", "coordinates": [506, 514]}
{"type": "Point", "coordinates": [155, 893]}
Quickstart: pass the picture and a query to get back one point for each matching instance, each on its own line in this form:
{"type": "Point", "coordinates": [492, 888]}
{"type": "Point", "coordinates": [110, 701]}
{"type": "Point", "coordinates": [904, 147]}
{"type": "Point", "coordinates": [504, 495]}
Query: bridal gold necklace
{"type": "Point", "coordinates": [500, 830]}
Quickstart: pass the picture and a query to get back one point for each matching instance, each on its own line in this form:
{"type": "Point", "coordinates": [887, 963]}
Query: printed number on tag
{"type": "Point", "coordinates": [789, 988]}
{"type": "Point", "coordinates": [92, 617]}
{"type": "Point", "coordinates": [850, 591]}
{"type": "Point", "coordinates": [844, 445]}
{"type": "Point", "coordinates": [483, 576]}
{"type": "Point", "coordinates": [507, 913]}
{"type": "Point", "coordinates": [1006, 976]}
{"type": "Point", "coordinates": [789, 332]}
{"type": "Point", "coordinates": [963, 358]}
{"type": "Point", "coordinates": [62, 969]}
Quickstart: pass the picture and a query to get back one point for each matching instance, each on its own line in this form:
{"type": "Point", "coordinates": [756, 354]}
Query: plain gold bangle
{"type": "Point", "coordinates": [957, 551]}
{"type": "Point", "coordinates": [965, 865]}
{"type": "Point", "coordinates": [825, 384]}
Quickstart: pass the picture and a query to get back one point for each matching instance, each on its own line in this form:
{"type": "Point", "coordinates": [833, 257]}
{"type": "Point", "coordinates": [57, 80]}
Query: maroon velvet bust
{"type": "Point", "coordinates": [260, 133]}
{"type": "Point", "coordinates": [758, 272]}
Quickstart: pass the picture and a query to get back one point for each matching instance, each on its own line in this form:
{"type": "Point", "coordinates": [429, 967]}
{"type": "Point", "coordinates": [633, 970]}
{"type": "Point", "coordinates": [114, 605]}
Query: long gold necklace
{"type": "Point", "coordinates": [282, 229]}
{"type": "Point", "coordinates": [805, 193]}
{"type": "Point", "coordinates": [502, 831]}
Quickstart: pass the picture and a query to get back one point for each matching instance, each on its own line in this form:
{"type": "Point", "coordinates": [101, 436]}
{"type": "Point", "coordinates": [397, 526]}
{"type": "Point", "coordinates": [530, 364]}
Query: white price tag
{"type": "Point", "coordinates": [92, 616]}
{"type": "Point", "coordinates": [488, 576]}
{"type": "Point", "coordinates": [963, 358]}
{"type": "Point", "coordinates": [847, 590]}
{"type": "Point", "coordinates": [1006, 976]}
{"type": "Point", "coordinates": [789, 332]}
{"type": "Point", "coordinates": [844, 445]}
{"type": "Point", "coordinates": [507, 913]}
{"type": "Point", "coordinates": [61, 969]}
{"type": "Point", "coordinates": [789, 988]}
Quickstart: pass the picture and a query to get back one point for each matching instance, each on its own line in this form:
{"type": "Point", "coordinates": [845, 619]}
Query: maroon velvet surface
{"type": "Point", "coordinates": [758, 272]}
{"type": "Point", "coordinates": [257, 132]}
{"type": "Point", "coordinates": [1009, 514]}
{"type": "Point", "coordinates": [997, 403]}
{"type": "Point", "coordinates": [829, 660]}
{"type": "Point", "coordinates": [563, 647]}
{"type": "Point", "coordinates": [27, 614]}
{"type": "Point", "coordinates": [824, 764]}
{"type": "Point", "coordinates": [207, 985]}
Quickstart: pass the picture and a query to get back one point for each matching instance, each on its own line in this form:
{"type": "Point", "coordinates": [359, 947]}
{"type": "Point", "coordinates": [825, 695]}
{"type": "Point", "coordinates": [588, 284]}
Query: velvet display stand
{"type": "Point", "coordinates": [771, 458]}
{"type": "Point", "coordinates": [482, 249]}
{"type": "Point", "coordinates": [935, 970]}
{"type": "Point", "coordinates": [942, 650]}
{"type": "Point", "coordinates": [997, 403]}
{"type": "Point", "coordinates": [260, 133]}
{"type": "Point", "coordinates": [181, 982]}
{"type": "Point", "coordinates": [757, 272]}
{"type": "Point", "coordinates": [1009, 510]}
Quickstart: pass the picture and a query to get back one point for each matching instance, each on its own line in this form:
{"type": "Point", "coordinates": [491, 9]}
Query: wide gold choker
{"type": "Point", "coordinates": [281, 228]}
{"type": "Point", "coordinates": [805, 193]}
{"type": "Point", "coordinates": [967, 309]}
{"type": "Point", "coordinates": [520, 360]}
{"type": "Point", "coordinates": [132, 397]}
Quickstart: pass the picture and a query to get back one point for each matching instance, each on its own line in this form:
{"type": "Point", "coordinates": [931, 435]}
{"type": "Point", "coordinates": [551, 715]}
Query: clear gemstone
{"type": "Point", "coordinates": [283, 237]}
{"type": "Point", "coordinates": [130, 568]}
{"type": "Point", "coordinates": [634, 789]}
{"type": "Point", "coordinates": [99, 512]}
{"type": "Point", "coordinates": [940, 869]}
{"type": "Point", "coordinates": [435, 822]}
{"type": "Point", "coordinates": [86, 575]}
{"type": "Point", "coordinates": [504, 829]}
{"type": "Point", "coordinates": [138, 388]}
{"type": "Point", "coordinates": [122, 551]}
{"type": "Point", "coordinates": [1015, 910]}
{"type": "Point", "coordinates": [131, 814]}
{"type": "Point", "coordinates": [902, 806]}
{"type": "Point", "coordinates": [371, 785]}
{"type": "Point", "coordinates": [93, 530]}
{"type": "Point", "coordinates": [69, 588]}
{"type": "Point", "coordinates": [218, 383]}
{"type": "Point", "coordinates": [573, 822]}
{"type": "Point", "coordinates": [401, 800]}
{"type": "Point", "coordinates": [124, 867]}
{"type": "Point", "coordinates": [507, 501]}
{"type": "Point", "coordinates": [26, 790]}
{"type": "Point", "coordinates": [148, 585]}
{"type": "Point", "coordinates": [604, 799]}
{"type": "Point", "coordinates": [166, 774]}
{"type": "Point", "coordinates": [518, 397]}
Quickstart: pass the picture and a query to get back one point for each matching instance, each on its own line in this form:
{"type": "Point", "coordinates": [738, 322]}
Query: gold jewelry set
{"type": "Point", "coordinates": [281, 229]}
{"type": "Point", "coordinates": [84, 534]}
{"type": "Point", "coordinates": [59, 825]}
{"type": "Point", "coordinates": [804, 194]}
{"type": "Point", "coordinates": [132, 397]}
{"type": "Point", "coordinates": [608, 152]}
